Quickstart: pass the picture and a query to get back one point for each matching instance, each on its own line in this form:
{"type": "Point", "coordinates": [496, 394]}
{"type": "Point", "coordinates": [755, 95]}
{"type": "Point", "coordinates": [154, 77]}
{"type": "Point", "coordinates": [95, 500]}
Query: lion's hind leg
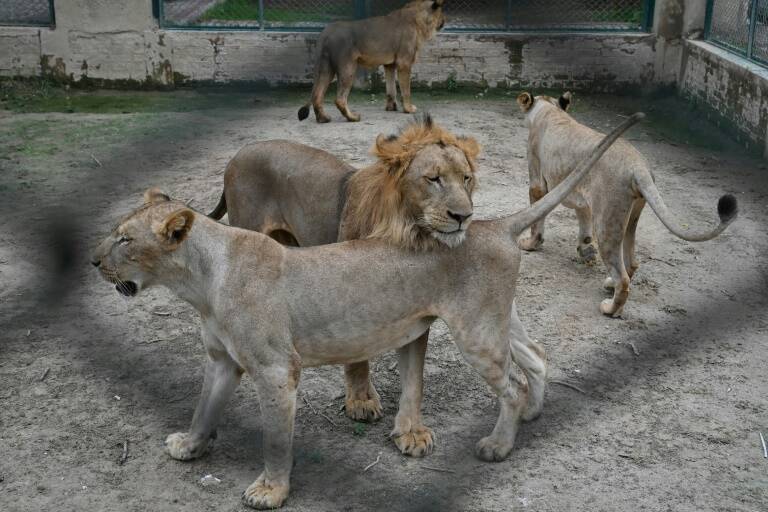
{"type": "Point", "coordinates": [486, 346]}
{"type": "Point", "coordinates": [586, 248]}
{"type": "Point", "coordinates": [346, 80]}
{"type": "Point", "coordinates": [409, 434]}
{"type": "Point", "coordinates": [389, 74]}
{"type": "Point", "coordinates": [362, 401]}
{"type": "Point", "coordinates": [531, 357]}
{"type": "Point", "coordinates": [323, 78]}
{"type": "Point", "coordinates": [222, 375]}
{"type": "Point", "coordinates": [535, 192]}
{"type": "Point", "coordinates": [630, 262]}
{"type": "Point", "coordinates": [611, 225]}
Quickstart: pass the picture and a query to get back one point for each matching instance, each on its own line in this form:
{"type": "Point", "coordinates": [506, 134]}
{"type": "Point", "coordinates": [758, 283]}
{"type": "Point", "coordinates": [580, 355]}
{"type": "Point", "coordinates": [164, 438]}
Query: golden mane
{"type": "Point", "coordinates": [376, 205]}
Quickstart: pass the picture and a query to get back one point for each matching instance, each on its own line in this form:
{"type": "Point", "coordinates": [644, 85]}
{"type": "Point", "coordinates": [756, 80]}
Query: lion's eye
{"type": "Point", "coordinates": [123, 240]}
{"type": "Point", "coordinates": [434, 179]}
{"type": "Point", "coordinates": [467, 179]}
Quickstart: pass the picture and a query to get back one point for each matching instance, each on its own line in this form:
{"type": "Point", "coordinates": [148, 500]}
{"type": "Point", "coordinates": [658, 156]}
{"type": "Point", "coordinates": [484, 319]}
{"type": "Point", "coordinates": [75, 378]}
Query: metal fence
{"type": "Point", "coordinates": [461, 15]}
{"type": "Point", "coordinates": [26, 12]}
{"type": "Point", "coordinates": [740, 26]}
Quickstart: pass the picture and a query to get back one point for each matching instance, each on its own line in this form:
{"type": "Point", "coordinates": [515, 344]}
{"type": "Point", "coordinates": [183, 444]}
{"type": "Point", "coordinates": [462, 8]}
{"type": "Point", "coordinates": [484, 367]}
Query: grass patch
{"type": "Point", "coordinates": [248, 10]}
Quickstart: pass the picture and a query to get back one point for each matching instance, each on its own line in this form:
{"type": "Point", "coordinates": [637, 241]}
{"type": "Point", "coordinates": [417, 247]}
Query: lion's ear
{"type": "Point", "coordinates": [565, 100]}
{"type": "Point", "coordinates": [175, 227]}
{"type": "Point", "coordinates": [469, 146]}
{"type": "Point", "coordinates": [525, 100]}
{"type": "Point", "coordinates": [389, 150]}
{"type": "Point", "coordinates": [155, 195]}
{"type": "Point", "coordinates": [437, 4]}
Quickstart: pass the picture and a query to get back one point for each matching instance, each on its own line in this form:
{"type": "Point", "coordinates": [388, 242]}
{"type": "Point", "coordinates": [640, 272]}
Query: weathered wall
{"type": "Point", "coordinates": [733, 89]}
{"type": "Point", "coordinates": [119, 41]}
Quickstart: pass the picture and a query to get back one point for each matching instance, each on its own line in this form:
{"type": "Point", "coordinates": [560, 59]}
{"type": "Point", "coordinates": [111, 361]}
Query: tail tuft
{"type": "Point", "coordinates": [303, 112]}
{"type": "Point", "coordinates": [727, 208]}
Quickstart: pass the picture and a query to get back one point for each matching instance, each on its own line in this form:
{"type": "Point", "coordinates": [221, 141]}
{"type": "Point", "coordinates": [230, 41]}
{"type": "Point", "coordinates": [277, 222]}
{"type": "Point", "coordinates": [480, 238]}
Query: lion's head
{"type": "Point", "coordinates": [419, 192]}
{"type": "Point", "coordinates": [428, 15]}
{"type": "Point", "coordinates": [528, 103]}
{"type": "Point", "coordinates": [141, 247]}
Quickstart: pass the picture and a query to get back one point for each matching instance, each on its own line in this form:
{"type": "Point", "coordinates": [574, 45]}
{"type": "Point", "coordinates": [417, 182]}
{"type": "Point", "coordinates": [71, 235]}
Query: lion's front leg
{"type": "Point", "coordinates": [586, 248]}
{"type": "Point", "coordinates": [409, 434]}
{"type": "Point", "coordinates": [534, 241]}
{"type": "Point", "coordinates": [404, 77]}
{"type": "Point", "coordinates": [222, 375]}
{"type": "Point", "coordinates": [277, 385]}
{"type": "Point", "coordinates": [362, 402]}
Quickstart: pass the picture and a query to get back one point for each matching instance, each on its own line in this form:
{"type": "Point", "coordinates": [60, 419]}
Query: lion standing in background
{"type": "Point", "coordinates": [391, 41]}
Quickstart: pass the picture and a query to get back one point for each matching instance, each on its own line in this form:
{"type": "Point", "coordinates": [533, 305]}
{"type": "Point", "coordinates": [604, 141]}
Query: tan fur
{"type": "Point", "coordinates": [392, 41]}
{"type": "Point", "coordinates": [268, 310]}
{"type": "Point", "coordinates": [608, 202]}
{"type": "Point", "coordinates": [288, 190]}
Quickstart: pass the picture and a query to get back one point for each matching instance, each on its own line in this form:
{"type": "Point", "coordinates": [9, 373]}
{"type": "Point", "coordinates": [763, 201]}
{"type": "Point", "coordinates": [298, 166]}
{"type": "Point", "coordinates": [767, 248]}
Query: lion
{"type": "Point", "coordinates": [270, 310]}
{"type": "Point", "coordinates": [418, 195]}
{"type": "Point", "coordinates": [609, 202]}
{"type": "Point", "coordinates": [392, 41]}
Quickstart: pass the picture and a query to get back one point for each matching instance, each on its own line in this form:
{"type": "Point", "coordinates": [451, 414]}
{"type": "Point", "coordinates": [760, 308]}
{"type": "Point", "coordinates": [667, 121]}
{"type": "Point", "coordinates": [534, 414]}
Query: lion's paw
{"type": "Point", "coordinates": [263, 496]}
{"type": "Point", "coordinates": [609, 284]}
{"type": "Point", "coordinates": [322, 119]}
{"type": "Point", "coordinates": [588, 253]}
{"type": "Point", "coordinates": [490, 449]}
{"type": "Point", "coordinates": [418, 442]}
{"type": "Point", "coordinates": [609, 308]}
{"type": "Point", "coordinates": [353, 118]}
{"type": "Point", "coordinates": [409, 109]}
{"type": "Point", "coordinates": [391, 106]}
{"type": "Point", "coordinates": [531, 244]}
{"type": "Point", "coordinates": [364, 410]}
{"type": "Point", "coordinates": [182, 446]}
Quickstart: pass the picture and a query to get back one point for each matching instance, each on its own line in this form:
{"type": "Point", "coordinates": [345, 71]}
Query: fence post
{"type": "Point", "coordinates": [360, 9]}
{"type": "Point", "coordinates": [752, 23]}
{"type": "Point", "coordinates": [708, 19]}
{"type": "Point", "coordinates": [509, 15]}
{"type": "Point", "coordinates": [261, 14]}
{"type": "Point", "coordinates": [648, 8]}
{"type": "Point", "coordinates": [51, 13]}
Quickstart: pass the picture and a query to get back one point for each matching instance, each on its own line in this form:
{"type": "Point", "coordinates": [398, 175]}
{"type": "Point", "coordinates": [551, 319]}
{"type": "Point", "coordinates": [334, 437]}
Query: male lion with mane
{"type": "Point", "coordinates": [392, 41]}
{"type": "Point", "coordinates": [417, 195]}
{"type": "Point", "coordinates": [610, 200]}
{"type": "Point", "coordinates": [270, 310]}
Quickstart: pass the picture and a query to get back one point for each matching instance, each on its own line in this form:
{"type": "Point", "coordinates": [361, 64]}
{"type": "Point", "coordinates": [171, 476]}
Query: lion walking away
{"type": "Point", "coordinates": [392, 41]}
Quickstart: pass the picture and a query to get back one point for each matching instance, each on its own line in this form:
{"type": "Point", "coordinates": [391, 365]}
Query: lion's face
{"type": "Point", "coordinates": [138, 249]}
{"type": "Point", "coordinates": [431, 13]}
{"type": "Point", "coordinates": [437, 191]}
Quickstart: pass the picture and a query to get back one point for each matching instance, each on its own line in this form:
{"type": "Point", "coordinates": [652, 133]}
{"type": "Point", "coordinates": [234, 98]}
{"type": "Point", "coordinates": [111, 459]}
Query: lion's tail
{"type": "Point", "coordinates": [520, 221]}
{"type": "Point", "coordinates": [304, 111]}
{"type": "Point", "coordinates": [727, 210]}
{"type": "Point", "coordinates": [220, 209]}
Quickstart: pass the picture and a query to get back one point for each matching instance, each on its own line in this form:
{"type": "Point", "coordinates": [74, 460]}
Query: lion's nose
{"type": "Point", "coordinates": [458, 217]}
{"type": "Point", "coordinates": [95, 261]}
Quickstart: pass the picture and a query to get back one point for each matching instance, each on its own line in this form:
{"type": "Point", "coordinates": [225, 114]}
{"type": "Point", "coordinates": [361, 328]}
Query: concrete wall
{"type": "Point", "coordinates": [733, 89]}
{"type": "Point", "coordinates": [119, 41]}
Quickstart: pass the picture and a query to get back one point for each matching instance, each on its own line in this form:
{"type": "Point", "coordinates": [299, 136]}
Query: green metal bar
{"type": "Point", "coordinates": [751, 35]}
{"type": "Point", "coordinates": [708, 19]}
{"type": "Point", "coordinates": [52, 13]}
{"type": "Point", "coordinates": [648, 9]}
{"type": "Point", "coordinates": [161, 13]}
{"type": "Point", "coordinates": [509, 14]}
{"type": "Point", "coordinates": [261, 14]}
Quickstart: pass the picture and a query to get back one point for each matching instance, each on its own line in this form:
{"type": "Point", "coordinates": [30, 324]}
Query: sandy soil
{"type": "Point", "coordinates": [674, 393]}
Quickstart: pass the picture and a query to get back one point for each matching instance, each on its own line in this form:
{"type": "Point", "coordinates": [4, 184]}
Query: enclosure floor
{"type": "Point", "coordinates": [675, 392]}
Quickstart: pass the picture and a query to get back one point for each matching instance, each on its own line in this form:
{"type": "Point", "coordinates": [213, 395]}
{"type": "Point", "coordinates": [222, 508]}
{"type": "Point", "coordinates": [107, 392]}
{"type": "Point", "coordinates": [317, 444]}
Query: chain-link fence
{"type": "Point", "coordinates": [740, 26]}
{"type": "Point", "coordinates": [26, 12]}
{"type": "Point", "coordinates": [461, 15]}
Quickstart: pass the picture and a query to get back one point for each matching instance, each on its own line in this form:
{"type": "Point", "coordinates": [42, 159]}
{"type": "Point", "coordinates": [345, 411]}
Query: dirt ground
{"type": "Point", "coordinates": [673, 395]}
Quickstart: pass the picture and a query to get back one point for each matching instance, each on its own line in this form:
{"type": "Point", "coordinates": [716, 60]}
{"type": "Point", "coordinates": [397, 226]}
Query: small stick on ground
{"type": "Point", "coordinates": [634, 348]}
{"type": "Point", "coordinates": [161, 313]}
{"type": "Point", "coordinates": [155, 340]}
{"type": "Point", "coordinates": [124, 456]}
{"type": "Point", "coordinates": [393, 366]}
{"type": "Point", "coordinates": [568, 385]}
{"type": "Point", "coordinates": [765, 448]}
{"type": "Point", "coordinates": [369, 466]}
{"type": "Point", "coordinates": [96, 160]}
{"type": "Point", "coordinates": [665, 262]}
{"type": "Point", "coordinates": [316, 412]}
{"type": "Point", "coordinates": [437, 469]}
{"type": "Point", "coordinates": [45, 374]}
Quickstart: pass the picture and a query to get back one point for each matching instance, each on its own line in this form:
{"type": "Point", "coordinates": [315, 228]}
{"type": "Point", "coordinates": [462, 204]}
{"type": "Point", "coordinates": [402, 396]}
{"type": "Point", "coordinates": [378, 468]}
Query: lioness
{"type": "Point", "coordinates": [392, 41]}
{"type": "Point", "coordinates": [417, 195]}
{"type": "Point", "coordinates": [270, 310]}
{"type": "Point", "coordinates": [609, 202]}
